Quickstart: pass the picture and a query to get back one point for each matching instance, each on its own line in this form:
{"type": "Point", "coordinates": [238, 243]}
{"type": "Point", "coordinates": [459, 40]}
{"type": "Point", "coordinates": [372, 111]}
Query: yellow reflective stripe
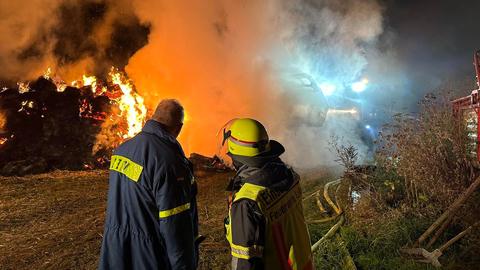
{"type": "Point", "coordinates": [246, 252]}
{"type": "Point", "coordinates": [248, 191]}
{"type": "Point", "coordinates": [174, 211]}
{"type": "Point", "coordinates": [292, 260]}
{"type": "Point", "coordinates": [127, 167]}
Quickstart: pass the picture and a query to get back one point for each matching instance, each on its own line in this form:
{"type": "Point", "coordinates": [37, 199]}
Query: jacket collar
{"type": "Point", "coordinates": [274, 175]}
{"type": "Point", "coordinates": [156, 128]}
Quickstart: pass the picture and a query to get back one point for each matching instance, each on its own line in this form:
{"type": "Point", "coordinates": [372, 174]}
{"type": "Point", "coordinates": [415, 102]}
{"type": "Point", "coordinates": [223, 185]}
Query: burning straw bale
{"type": "Point", "coordinates": [46, 126]}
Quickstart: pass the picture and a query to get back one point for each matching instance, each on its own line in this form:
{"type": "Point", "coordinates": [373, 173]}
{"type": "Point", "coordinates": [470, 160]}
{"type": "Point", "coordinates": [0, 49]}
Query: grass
{"type": "Point", "coordinates": [370, 249]}
{"type": "Point", "coordinates": [373, 240]}
{"type": "Point", "coordinates": [52, 221]}
{"type": "Point", "coordinates": [55, 221]}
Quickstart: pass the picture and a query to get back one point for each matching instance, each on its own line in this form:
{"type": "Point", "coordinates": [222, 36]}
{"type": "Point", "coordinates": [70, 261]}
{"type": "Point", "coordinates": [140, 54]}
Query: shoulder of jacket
{"type": "Point", "coordinates": [156, 143]}
{"type": "Point", "coordinates": [245, 207]}
{"type": "Point", "coordinates": [249, 191]}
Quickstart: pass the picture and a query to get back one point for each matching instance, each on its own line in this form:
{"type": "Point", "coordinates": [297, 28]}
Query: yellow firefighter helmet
{"type": "Point", "coordinates": [246, 137]}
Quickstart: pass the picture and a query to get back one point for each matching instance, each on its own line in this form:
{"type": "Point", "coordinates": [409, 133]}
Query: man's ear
{"type": "Point", "coordinates": [177, 130]}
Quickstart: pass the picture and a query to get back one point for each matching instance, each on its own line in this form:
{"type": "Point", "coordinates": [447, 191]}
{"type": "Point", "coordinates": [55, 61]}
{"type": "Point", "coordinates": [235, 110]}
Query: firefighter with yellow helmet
{"type": "Point", "coordinates": [265, 225]}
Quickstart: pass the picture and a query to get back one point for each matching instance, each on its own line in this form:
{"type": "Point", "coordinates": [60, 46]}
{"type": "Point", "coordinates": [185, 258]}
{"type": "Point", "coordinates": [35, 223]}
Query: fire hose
{"type": "Point", "coordinates": [335, 206]}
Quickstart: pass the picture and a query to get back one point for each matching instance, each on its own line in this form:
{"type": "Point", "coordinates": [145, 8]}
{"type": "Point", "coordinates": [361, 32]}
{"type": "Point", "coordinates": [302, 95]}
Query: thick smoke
{"type": "Point", "coordinates": [327, 40]}
{"type": "Point", "coordinates": [222, 60]}
{"type": "Point", "coordinates": [72, 37]}
{"type": "Point", "coordinates": [230, 59]}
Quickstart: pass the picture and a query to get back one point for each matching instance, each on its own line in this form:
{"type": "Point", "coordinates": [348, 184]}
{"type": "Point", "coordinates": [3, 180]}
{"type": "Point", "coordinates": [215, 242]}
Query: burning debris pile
{"type": "Point", "coordinates": [47, 124]}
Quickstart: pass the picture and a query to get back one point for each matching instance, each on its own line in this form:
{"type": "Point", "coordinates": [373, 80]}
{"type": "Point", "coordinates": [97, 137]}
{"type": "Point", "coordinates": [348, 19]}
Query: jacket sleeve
{"type": "Point", "coordinates": [194, 213]}
{"type": "Point", "coordinates": [173, 197]}
{"type": "Point", "coordinates": [248, 235]}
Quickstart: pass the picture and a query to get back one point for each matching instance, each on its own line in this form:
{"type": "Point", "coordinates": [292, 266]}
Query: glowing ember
{"type": "Point", "coordinates": [88, 166]}
{"type": "Point", "coordinates": [3, 140]}
{"type": "Point", "coordinates": [61, 86]}
{"type": "Point", "coordinates": [3, 121]}
{"type": "Point", "coordinates": [23, 87]}
{"type": "Point", "coordinates": [25, 105]}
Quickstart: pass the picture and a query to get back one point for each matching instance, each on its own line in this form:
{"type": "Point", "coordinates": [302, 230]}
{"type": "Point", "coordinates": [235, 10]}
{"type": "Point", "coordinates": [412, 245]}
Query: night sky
{"type": "Point", "coordinates": [435, 40]}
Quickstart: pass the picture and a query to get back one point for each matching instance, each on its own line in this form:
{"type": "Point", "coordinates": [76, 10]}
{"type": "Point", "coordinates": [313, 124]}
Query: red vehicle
{"type": "Point", "coordinates": [468, 108]}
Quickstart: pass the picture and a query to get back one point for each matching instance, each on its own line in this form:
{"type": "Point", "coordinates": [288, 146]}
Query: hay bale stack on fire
{"type": "Point", "coordinates": [49, 124]}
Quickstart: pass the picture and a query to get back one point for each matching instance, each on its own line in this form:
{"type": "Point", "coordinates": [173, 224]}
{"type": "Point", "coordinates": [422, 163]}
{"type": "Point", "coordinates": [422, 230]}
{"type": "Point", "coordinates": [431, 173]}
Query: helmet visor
{"type": "Point", "coordinates": [222, 137]}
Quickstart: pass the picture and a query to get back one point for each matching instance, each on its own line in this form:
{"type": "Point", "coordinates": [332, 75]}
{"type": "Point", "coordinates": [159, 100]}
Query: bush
{"type": "Point", "coordinates": [422, 165]}
{"type": "Point", "coordinates": [430, 153]}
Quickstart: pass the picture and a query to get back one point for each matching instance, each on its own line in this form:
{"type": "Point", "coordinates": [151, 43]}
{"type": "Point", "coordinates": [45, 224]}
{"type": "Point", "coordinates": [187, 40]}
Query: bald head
{"type": "Point", "coordinates": [170, 113]}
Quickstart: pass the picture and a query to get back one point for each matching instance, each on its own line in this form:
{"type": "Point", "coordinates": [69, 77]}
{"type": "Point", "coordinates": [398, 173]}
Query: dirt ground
{"type": "Point", "coordinates": [55, 220]}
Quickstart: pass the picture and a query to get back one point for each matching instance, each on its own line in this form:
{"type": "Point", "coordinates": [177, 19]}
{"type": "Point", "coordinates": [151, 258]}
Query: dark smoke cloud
{"type": "Point", "coordinates": [74, 30]}
{"type": "Point", "coordinates": [71, 37]}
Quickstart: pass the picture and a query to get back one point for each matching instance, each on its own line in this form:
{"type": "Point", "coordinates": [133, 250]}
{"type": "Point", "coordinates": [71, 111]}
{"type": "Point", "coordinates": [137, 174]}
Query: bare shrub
{"type": "Point", "coordinates": [422, 165]}
{"type": "Point", "coordinates": [429, 151]}
{"type": "Point", "coordinates": [346, 153]}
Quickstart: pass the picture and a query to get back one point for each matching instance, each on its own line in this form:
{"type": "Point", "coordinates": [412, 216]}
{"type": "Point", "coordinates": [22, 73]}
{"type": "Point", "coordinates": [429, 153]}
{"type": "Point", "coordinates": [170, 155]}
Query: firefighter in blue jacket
{"type": "Point", "coordinates": [265, 226]}
{"type": "Point", "coordinates": [151, 220]}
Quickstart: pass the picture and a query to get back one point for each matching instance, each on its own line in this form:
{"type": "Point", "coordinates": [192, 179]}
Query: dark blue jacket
{"type": "Point", "coordinates": [151, 220]}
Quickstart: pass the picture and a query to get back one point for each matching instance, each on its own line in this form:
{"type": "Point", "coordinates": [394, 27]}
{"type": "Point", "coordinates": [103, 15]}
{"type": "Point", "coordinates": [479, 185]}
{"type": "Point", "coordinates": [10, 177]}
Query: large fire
{"type": "Point", "coordinates": [56, 124]}
{"type": "Point", "coordinates": [131, 104]}
{"type": "Point", "coordinates": [119, 89]}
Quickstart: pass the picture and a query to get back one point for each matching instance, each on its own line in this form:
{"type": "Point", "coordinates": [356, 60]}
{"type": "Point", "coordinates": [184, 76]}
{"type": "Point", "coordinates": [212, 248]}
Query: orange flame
{"type": "Point", "coordinates": [23, 87]}
{"type": "Point", "coordinates": [131, 104]}
{"type": "Point", "coordinates": [90, 81]}
{"type": "Point", "coordinates": [48, 73]}
{"type": "Point", "coordinates": [3, 121]}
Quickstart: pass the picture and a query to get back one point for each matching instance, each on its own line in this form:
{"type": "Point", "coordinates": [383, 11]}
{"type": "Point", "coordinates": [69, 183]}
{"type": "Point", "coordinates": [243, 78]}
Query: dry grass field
{"type": "Point", "coordinates": [55, 220]}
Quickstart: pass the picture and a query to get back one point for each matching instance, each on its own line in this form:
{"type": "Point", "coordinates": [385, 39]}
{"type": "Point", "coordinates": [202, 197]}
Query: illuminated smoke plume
{"type": "Point", "coordinates": [222, 59]}
{"type": "Point", "coordinates": [228, 59]}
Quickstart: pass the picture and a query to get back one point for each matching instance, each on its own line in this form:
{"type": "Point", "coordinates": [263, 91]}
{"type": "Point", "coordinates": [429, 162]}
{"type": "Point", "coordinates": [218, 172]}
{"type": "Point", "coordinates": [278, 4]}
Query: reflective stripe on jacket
{"type": "Point", "coordinates": [286, 243]}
